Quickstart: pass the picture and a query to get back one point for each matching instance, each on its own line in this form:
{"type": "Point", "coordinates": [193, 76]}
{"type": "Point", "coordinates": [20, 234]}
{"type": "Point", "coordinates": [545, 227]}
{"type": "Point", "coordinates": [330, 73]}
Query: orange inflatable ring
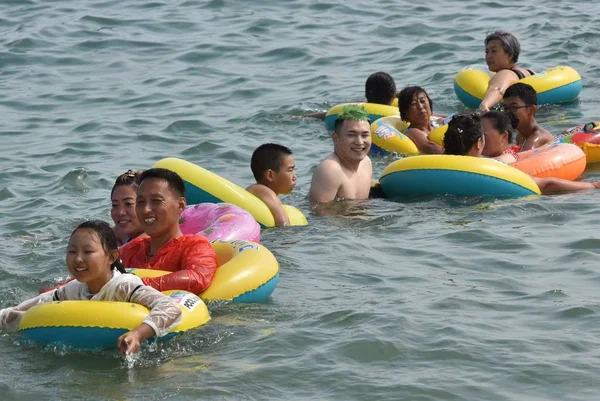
{"type": "Point", "coordinates": [562, 160]}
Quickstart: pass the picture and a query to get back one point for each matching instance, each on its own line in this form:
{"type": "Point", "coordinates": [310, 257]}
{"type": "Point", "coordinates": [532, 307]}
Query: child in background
{"type": "Point", "coordinates": [273, 168]}
{"type": "Point", "coordinates": [380, 88]}
{"type": "Point", "coordinates": [521, 101]}
{"type": "Point", "coordinates": [93, 260]}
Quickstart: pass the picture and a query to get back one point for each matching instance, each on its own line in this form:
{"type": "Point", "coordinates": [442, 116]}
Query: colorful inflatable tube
{"type": "Point", "coordinates": [562, 160]}
{"type": "Point", "coordinates": [454, 175]}
{"type": "Point", "coordinates": [387, 134]}
{"type": "Point", "coordinates": [374, 110]}
{"type": "Point", "coordinates": [96, 325]}
{"type": "Point", "coordinates": [202, 186]}
{"type": "Point", "coordinates": [556, 85]}
{"type": "Point", "coordinates": [248, 272]}
{"type": "Point", "coordinates": [219, 221]}
{"type": "Point", "coordinates": [587, 137]}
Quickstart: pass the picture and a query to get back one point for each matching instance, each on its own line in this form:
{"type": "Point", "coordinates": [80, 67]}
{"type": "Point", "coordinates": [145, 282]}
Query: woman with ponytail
{"type": "Point", "coordinates": [465, 137]}
{"type": "Point", "coordinates": [93, 260]}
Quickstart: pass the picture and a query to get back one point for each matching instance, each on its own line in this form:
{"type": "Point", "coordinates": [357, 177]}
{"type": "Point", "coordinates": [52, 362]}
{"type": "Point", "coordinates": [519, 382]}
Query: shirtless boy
{"type": "Point", "coordinates": [273, 168]}
{"type": "Point", "coordinates": [346, 173]}
{"type": "Point", "coordinates": [521, 100]}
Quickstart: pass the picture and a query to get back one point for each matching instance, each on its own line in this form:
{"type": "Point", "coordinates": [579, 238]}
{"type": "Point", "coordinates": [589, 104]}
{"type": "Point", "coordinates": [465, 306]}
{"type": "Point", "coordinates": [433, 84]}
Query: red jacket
{"type": "Point", "coordinates": [191, 258]}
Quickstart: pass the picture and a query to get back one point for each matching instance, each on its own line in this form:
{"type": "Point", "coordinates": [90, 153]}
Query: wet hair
{"type": "Point", "coordinates": [380, 88]}
{"type": "Point", "coordinates": [107, 239]}
{"type": "Point", "coordinates": [172, 178]}
{"type": "Point", "coordinates": [502, 121]}
{"type": "Point", "coordinates": [351, 112]}
{"type": "Point", "coordinates": [405, 98]}
{"type": "Point", "coordinates": [464, 130]}
{"type": "Point", "coordinates": [510, 43]}
{"type": "Point", "coordinates": [130, 177]}
{"type": "Point", "coordinates": [268, 156]}
{"type": "Point", "coordinates": [522, 91]}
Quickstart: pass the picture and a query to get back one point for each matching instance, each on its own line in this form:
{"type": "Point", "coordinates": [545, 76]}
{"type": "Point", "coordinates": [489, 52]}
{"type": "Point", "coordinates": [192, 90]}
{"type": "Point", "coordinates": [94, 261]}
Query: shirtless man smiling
{"type": "Point", "coordinates": [346, 173]}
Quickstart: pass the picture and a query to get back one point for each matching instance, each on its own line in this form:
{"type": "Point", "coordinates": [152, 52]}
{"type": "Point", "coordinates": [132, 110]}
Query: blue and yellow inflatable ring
{"type": "Point", "coordinates": [454, 175]}
{"type": "Point", "coordinates": [96, 325]}
{"type": "Point", "coordinates": [556, 85]}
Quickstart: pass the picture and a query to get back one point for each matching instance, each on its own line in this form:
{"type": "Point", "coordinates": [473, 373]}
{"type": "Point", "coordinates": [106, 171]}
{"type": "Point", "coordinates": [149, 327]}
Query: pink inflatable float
{"type": "Point", "coordinates": [219, 221]}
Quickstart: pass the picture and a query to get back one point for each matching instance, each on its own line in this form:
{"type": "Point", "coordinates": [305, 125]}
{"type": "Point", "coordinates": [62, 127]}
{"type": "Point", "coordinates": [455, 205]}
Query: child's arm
{"type": "Point", "coordinates": [273, 202]}
{"type": "Point", "coordinates": [11, 317]}
{"type": "Point", "coordinates": [164, 316]}
{"type": "Point", "coordinates": [551, 185]}
{"type": "Point", "coordinates": [320, 115]}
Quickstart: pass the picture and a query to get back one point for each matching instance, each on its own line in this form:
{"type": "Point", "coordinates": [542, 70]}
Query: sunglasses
{"type": "Point", "coordinates": [514, 108]}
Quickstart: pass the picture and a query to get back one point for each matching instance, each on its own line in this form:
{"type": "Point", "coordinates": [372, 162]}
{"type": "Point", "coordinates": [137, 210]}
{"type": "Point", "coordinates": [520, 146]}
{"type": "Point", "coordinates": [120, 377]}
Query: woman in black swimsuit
{"type": "Point", "coordinates": [501, 54]}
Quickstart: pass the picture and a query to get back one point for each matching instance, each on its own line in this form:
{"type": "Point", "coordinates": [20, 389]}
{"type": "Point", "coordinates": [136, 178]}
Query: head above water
{"type": "Point", "coordinates": [107, 239]}
{"type": "Point", "coordinates": [380, 88]}
{"type": "Point", "coordinates": [502, 122]}
{"type": "Point", "coordinates": [509, 42]}
{"type": "Point", "coordinates": [464, 135]}
{"type": "Point", "coordinates": [273, 165]}
{"type": "Point", "coordinates": [406, 98]}
{"type": "Point", "coordinates": [173, 179]}
{"type": "Point", "coordinates": [130, 177]}
{"type": "Point", "coordinates": [351, 112]}
{"type": "Point", "coordinates": [522, 91]}
{"type": "Point", "coordinates": [268, 156]}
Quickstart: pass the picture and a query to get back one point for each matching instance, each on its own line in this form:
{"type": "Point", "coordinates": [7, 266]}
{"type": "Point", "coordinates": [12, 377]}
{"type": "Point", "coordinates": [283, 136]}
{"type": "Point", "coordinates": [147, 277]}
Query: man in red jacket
{"type": "Point", "coordinates": [191, 258]}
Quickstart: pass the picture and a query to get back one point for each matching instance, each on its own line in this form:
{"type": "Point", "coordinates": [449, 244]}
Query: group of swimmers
{"type": "Point", "coordinates": [146, 206]}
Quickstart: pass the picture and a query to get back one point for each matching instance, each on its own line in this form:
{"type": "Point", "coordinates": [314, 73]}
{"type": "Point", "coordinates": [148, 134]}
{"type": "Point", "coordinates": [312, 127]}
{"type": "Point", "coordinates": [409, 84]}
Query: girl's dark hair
{"type": "Point", "coordinates": [502, 122]}
{"type": "Point", "coordinates": [464, 130]}
{"type": "Point", "coordinates": [405, 98]}
{"type": "Point", "coordinates": [107, 239]}
{"type": "Point", "coordinates": [130, 177]}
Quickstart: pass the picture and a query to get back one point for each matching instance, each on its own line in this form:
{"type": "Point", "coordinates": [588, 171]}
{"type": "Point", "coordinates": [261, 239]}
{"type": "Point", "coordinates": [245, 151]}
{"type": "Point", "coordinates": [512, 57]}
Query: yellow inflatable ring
{"type": "Point", "coordinates": [556, 85]}
{"type": "Point", "coordinates": [374, 110]}
{"type": "Point", "coordinates": [96, 325]}
{"type": "Point", "coordinates": [387, 133]}
{"type": "Point", "coordinates": [248, 272]}
{"type": "Point", "coordinates": [203, 186]}
{"type": "Point", "coordinates": [454, 175]}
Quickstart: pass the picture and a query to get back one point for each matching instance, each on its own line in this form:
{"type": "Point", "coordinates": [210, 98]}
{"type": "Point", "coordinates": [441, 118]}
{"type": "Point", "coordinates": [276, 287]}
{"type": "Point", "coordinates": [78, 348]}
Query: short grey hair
{"type": "Point", "coordinates": [509, 42]}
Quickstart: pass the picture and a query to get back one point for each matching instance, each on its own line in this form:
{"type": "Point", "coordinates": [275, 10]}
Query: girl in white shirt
{"type": "Point", "coordinates": [93, 260]}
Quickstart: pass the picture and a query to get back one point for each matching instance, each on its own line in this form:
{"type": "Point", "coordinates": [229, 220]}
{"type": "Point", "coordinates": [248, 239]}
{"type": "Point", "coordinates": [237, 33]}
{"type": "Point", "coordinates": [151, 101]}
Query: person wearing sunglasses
{"type": "Point", "coordinates": [520, 100]}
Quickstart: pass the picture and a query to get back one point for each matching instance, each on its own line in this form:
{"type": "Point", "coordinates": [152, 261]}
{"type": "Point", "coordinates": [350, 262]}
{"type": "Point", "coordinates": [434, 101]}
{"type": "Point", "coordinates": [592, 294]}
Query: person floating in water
{"type": "Point", "coordinates": [93, 260]}
{"type": "Point", "coordinates": [190, 258]}
{"type": "Point", "coordinates": [273, 168]}
{"type": "Point", "coordinates": [502, 51]}
{"type": "Point", "coordinates": [465, 137]}
{"type": "Point", "coordinates": [346, 173]}
{"type": "Point", "coordinates": [380, 88]}
{"type": "Point", "coordinates": [521, 101]}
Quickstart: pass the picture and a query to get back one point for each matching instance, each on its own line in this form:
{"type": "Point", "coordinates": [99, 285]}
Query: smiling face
{"type": "Point", "coordinates": [419, 113]}
{"type": "Point", "coordinates": [496, 142]}
{"type": "Point", "coordinates": [284, 180]}
{"type": "Point", "coordinates": [123, 210]}
{"type": "Point", "coordinates": [158, 207]}
{"type": "Point", "coordinates": [88, 261]}
{"type": "Point", "coordinates": [353, 140]}
{"type": "Point", "coordinates": [496, 57]}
